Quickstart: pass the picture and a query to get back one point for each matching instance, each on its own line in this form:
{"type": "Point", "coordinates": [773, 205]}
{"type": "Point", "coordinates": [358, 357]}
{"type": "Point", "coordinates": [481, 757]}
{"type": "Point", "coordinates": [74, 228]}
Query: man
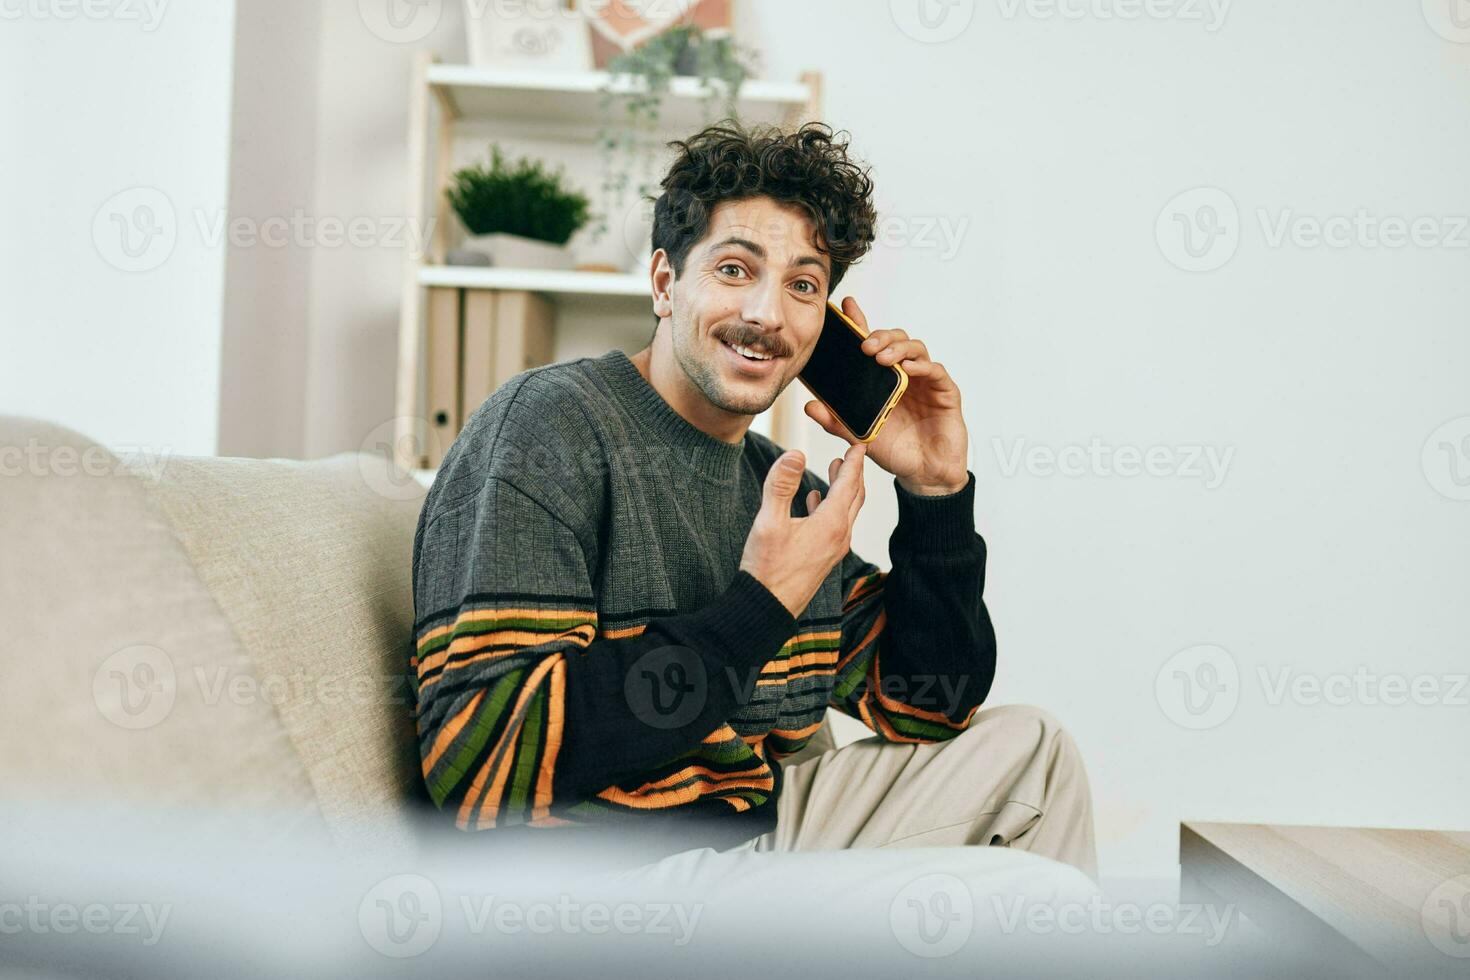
{"type": "Point", "coordinates": [630, 608]}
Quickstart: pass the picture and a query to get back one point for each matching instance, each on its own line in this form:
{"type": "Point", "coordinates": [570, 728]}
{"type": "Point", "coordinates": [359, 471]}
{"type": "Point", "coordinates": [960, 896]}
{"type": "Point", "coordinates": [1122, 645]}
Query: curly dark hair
{"type": "Point", "coordinates": [806, 167]}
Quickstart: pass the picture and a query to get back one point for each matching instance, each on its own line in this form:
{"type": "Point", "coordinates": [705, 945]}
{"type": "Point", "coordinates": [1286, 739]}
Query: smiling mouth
{"type": "Point", "coordinates": [760, 357]}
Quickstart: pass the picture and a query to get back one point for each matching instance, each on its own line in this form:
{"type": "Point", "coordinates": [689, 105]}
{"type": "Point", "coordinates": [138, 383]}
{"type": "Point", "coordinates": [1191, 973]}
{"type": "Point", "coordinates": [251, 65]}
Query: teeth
{"type": "Point", "coordinates": [748, 352]}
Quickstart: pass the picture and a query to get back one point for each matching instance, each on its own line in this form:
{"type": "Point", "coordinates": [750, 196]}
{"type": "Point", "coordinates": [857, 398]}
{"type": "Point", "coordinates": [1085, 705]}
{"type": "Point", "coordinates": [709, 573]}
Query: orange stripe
{"type": "Point", "coordinates": [902, 708]}
{"type": "Point", "coordinates": [426, 683]}
{"type": "Point", "coordinates": [477, 615]}
{"type": "Point", "coordinates": [487, 815]}
{"type": "Point", "coordinates": [519, 638]}
{"type": "Point", "coordinates": [624, 631]}
{"type": "Point", "coordinates": [864, 588]}
{"type": "Point", "coordinates": [687, 771]}
{"type": "Point", "coordinates": [686, 794]}
{"type": "Point", "coordinates": [822, 655]}
{"type": "Point", "coordinates": [512, 733]}
{"type": "Point", "coordinates": [873, 631]}
{"type": "Point", "coordinates": [541, 808]}
{"type": "Point", "coordinates": [796, 733]}
{"type": "Point", "coordinates": [448, 731]}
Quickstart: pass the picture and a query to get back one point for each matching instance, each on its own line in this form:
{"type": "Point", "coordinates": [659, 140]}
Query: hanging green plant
{"type": "Point", "coordinates": [640, 79]}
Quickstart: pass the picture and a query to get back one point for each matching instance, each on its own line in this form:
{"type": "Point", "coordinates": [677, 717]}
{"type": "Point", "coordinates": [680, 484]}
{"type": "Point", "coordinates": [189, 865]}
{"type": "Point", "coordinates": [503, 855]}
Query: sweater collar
{"type": "Point", "coordinates": [705, 454]}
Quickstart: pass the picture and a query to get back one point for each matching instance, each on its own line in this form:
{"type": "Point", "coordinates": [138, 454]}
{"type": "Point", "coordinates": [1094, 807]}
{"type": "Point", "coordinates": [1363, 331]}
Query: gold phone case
{"type": "Point", "coordinates": [903, 384]}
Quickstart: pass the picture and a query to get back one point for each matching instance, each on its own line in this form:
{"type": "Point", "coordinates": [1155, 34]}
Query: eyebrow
{"type": "Point", "coordinates": [760, 252]}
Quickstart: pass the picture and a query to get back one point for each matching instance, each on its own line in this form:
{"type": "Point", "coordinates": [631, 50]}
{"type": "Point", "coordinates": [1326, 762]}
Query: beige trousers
{"type": "Point", "coordinates": [871, 851]}
{"type": "Point", "coordinates": [1014, 778]}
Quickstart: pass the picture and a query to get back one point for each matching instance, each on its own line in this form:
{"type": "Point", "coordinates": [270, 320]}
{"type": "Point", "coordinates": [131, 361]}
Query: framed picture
{"type": "Point", "coordinates": [544, 34]}
{"type": "Point", "coordinates": [622, 25]}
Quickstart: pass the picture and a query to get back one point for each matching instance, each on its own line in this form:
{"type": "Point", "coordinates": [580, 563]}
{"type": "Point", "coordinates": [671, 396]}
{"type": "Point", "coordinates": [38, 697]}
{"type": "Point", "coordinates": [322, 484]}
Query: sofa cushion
{"type": "Point", "coordinates": [310, 561]}
{"type": "Point", "coordinates": [111, 646]}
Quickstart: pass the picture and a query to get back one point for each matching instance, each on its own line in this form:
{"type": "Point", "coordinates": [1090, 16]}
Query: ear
{"type": "Point", "coordinates": [662, 274]}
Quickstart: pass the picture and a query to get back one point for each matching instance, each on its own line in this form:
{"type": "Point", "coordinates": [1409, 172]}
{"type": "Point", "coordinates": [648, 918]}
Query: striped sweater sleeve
{"type": "Point", "coordinates": [917, 654]}
{"type": "Point", "coordinates": [525, 708]}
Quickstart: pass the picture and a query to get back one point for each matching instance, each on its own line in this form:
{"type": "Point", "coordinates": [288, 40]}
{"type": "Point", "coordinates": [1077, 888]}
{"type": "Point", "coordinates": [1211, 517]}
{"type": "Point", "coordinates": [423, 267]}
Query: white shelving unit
{"type": "Point", "coordinates": [549, 281]}
{"type": "Point", "coordinates": [444, 95]}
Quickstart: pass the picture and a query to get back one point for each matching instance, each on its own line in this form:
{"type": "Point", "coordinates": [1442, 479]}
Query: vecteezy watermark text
{"type": "Point", "coordinates": [1208, 464]}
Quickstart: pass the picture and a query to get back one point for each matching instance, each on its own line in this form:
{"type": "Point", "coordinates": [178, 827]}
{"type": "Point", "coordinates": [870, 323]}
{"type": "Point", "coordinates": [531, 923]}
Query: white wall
{"type": "Point", "coordinates": [274, 229]}
{"type": "Point", "coordinates": [1056, 143]}
{"type": "Point", "coordinates": [136, 103]}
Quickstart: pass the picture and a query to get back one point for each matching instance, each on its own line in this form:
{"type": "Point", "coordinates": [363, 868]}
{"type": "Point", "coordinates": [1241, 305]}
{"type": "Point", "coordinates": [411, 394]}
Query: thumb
{"type": "Point", "coordinates": [784, 477]}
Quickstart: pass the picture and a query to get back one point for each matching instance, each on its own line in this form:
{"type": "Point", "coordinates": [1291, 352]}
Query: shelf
{"type": "Point", "coordinates": [555, 281]}
{"type": "Point", "coordinates": [574, 97]}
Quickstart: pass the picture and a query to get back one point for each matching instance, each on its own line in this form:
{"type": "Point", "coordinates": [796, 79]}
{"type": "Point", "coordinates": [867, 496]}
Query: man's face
{"type": "Point", "coordinates": [756, 279]}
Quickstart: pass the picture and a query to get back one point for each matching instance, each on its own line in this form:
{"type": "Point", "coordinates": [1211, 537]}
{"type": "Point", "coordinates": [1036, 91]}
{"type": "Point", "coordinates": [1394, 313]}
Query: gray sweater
{"type": "Point", "coordinates": [587, 652]}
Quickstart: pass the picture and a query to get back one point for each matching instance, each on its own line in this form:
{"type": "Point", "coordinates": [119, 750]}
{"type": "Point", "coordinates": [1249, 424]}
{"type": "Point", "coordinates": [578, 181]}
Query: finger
{"type": "Point", "coordinates": [854, 312]}
{"type": "Point", "coordinates": [819, 413]}
{"type": "Point", "coordinates": [861, 494]}
{"type": "Point", "coordinates": [782, 480]}
{"type": "Point", "coordinates": [880, 339]}
{"type": "Point", "coordinates": [900, 350]}
{"type": "Point", "coordinates": [832, 469]}
{"type": "Point", "coordinates": [849, 476]}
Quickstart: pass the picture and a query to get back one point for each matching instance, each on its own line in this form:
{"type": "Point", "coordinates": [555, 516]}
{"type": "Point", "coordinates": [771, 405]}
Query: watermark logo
{"type": "Point", "coordinates": [141, 919]}
{"type": "Point", "coordinates": [933, 916]}
{"type": "Point", "coordinates": [1198, 687]}
{"type": "Point", "coordinates": [1099, 917]}
{"type": "Point", "coordinates": [667, 687]}
{"type": "Point", "coordinates": [1445, 917]}
{"type": "Point", "coordinates": [401, 916]}
{"type": "Point", "coordinates": [1207, 464]}
{"type": "Point", "coordinates": [135, 687]}
{"type": "Point", "coordinates": [1199, 230]}
{"type": "Point", "coordinates": [148, 14]}
{"type": "Point", "coordinates": [136, 230]}
{"type": "Point", "coordinates": [1210, 13]}
{"type": "Point", "coordinates": [1450, 19]}
{"type": "Point", "coordinates": [380, 458]}
{"type": "Point", "coordinates": [1364, 686]}
{"type": "Point", "coordinates": [932, 21]}
{"type": "Point", "coordinates": [1362, 229]}
{"type": "Point", "coordinates": [567, 916]}
{"type": "Point", "coordinates": [1446, 459]}
{"type": "Point", "coordinates": [400, 21]}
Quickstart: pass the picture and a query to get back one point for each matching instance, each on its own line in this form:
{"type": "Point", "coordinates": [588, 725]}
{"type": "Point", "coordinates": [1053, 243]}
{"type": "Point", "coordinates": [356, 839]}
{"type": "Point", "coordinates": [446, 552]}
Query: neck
{"type": "Point", "coordinates": [658, 366]}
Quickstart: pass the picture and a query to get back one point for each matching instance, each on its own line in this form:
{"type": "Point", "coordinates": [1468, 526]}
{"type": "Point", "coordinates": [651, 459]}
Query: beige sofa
{"type": "Point", "coordinates": [209, 632]}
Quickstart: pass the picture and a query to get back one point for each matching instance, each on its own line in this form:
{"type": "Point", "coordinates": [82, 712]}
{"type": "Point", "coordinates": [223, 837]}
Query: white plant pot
{"type": "Point", "coordinates": [519, 252]}
{"type": "Point", "coordinates": [544, 34]}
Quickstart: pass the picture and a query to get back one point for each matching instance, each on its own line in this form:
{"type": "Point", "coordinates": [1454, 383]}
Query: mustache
{"type": "Point", "coordinates": [759, 342]}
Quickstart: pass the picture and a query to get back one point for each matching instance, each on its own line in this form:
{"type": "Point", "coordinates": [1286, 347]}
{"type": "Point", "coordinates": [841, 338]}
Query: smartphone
{"type": "Point", "coordinates": [859, 391]}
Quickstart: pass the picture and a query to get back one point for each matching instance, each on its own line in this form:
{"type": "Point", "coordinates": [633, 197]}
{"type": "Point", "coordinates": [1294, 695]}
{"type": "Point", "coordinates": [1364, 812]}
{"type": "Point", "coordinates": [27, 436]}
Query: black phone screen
{"type": "Point", "coordinates": [852, 384]}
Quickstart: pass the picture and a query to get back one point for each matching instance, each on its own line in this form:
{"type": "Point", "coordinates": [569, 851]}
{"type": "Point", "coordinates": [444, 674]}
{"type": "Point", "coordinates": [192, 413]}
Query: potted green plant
{"type": "Point", "coordinates": [517, 215]}
{"type": "Point", "coordinates": [640, 79]}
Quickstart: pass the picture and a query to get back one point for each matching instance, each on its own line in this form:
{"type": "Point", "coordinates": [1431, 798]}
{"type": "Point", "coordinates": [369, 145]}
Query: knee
{"type": "Point", "coordinates": [1039, 727]}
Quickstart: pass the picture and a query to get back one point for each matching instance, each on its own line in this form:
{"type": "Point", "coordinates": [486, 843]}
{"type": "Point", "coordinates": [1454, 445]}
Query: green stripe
{"type": "Point", "coordinates": [519, 623]}
{"type": "Point", "coordinates": [486, 721]}
{"type": "Point", "coordinates": [526, 763]}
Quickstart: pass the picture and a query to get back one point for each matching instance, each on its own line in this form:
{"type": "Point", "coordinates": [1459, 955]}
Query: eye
{"type": "Point", "coordinates": [810, 286]}
{"type": "Point", "coordinates": [732, 265]}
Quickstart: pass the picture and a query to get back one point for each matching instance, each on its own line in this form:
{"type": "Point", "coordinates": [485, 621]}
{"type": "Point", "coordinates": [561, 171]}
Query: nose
{"type": "Point", "coordinates": [762, 306]}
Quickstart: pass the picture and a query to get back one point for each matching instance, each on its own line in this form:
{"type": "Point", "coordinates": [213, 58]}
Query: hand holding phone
{"type": "Point", "coordinates": [858, 390]}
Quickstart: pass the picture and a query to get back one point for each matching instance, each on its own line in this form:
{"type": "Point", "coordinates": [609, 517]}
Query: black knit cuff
{"type": "Point", "coordinates": [937, 523]}
{"type": "Point", "coordinates": [748, 622]}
